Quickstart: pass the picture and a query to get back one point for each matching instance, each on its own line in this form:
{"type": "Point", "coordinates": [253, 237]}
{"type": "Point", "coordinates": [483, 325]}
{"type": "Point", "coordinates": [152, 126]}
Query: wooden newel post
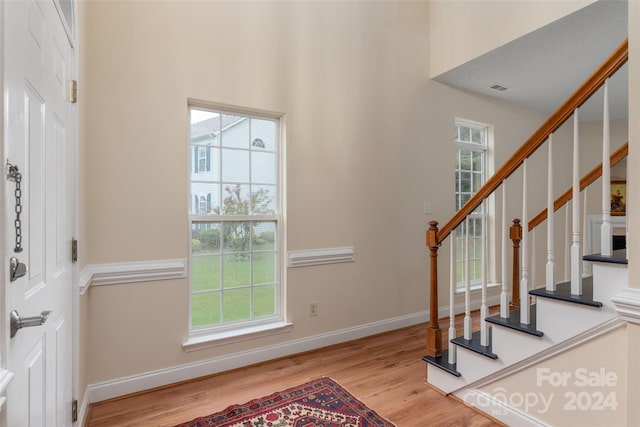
{"type": "Point", "coordinates": [434, 333]}
{"type": "Point", "coordinates": [515, 234]}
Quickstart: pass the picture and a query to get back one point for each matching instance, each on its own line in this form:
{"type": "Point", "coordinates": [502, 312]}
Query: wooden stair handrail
{"type": "Point", "coordinates": [612, 64]}
{"type": "Point", "coordinates": [586, 181]}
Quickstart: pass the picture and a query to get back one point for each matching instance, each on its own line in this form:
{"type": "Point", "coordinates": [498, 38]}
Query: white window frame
{"type": "Point", "coordinates": [202, 159]}
{"type": "Point", "coordinates": [484, 215]}
{"type": "Point", "coordinates": [207, 336]}
{"type": "Point", "coordinates": [202, 205]}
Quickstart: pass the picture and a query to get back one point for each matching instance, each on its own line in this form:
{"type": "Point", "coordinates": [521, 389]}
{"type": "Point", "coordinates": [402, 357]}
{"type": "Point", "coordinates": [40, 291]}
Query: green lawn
{"type": "Point", "coordinates": [475, 256]}
{"type": "Point", "coordinates": [229, 277]}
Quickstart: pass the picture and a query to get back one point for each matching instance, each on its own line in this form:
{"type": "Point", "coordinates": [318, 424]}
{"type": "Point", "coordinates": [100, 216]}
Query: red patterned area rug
{"type": "Point", "coordinates": [319, 403]}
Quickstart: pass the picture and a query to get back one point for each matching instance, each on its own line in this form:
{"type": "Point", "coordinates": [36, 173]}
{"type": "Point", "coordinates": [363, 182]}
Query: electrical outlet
{"type": "Point", "coordinates": [313, 309]}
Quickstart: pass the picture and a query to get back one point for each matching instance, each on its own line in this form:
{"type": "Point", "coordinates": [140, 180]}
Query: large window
{"type": "Point", "coordinates": [234, 219]}
{"type": "Point", "coordinates": [470, 170]}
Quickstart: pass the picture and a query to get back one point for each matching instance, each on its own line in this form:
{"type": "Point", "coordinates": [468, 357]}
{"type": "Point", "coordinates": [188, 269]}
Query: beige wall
{"type": "Point", "coordinates": [633, 380]}
{"type": "Point", "coordinates": [367, 135]}
{"type": "Point", "coordinates": [462, 30]}
{"type": "Point", "coordinates": [368, 142]}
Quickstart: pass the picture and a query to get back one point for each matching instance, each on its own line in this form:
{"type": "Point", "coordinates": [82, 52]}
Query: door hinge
{"type": "Point", "coordinates": [74, 411]}
{"type": "Point", "coordinates": [73, 90]}
{"type": "Point", "coordinates": [74, 250]}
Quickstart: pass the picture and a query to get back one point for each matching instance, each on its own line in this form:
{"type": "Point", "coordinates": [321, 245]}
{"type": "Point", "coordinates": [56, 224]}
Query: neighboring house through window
{"type": "Point", "coordinates": [470, 173]}
{"type": "Point", "coordinates": [202, 206]}
{"type": "Point", "coordinates": [235, 220]}
{"type": "Point", "coordinates": [203, 163]}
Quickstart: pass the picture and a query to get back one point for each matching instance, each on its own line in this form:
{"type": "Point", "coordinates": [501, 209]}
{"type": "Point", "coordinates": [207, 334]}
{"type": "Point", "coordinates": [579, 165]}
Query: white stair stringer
{"type": "Point", "coordinates": [560, 321]}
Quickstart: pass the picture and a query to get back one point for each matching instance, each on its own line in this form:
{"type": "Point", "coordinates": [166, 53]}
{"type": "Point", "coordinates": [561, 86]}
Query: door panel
{"type": "Point", "coordinates": [35, 370]}
{"type": "Point", "coordinates": [57, 194]}
{"type": "Point", "coordinates": [37, 58]}
{"type": "Point", "coordinates": [62, 369]}
{"type": "Point", "coordinates": [32, 180]}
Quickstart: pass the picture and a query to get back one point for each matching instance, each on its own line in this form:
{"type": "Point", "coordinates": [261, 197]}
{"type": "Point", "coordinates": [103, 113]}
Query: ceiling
{"type": "Point", "coordinates": [544, 67]}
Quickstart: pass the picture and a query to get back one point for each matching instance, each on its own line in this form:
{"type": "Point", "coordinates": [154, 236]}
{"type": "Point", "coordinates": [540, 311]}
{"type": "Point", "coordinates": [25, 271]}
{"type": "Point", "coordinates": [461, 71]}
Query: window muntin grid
{"type": "Point", "coordinates": [235, 219]}
{"type": "Point", "coordinates": [470, 173]}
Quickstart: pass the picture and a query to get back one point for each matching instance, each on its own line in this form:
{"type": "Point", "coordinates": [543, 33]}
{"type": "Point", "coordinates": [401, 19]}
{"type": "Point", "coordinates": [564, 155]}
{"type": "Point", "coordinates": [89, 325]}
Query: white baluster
{"type": "Point", "coordinates": [585, 199]}
{"type": "Point", "coordinates": [504, 295]}
{"type": "Point", "coordinates": [467, 284]}
{"type": "Point", "coordinates": [567, 241]}
{"type": "Point", "coordinates": [524, 280]}
{"type": "Point", "coordinates": [532, 270]}
{"type": "Point", "coordinates": [484, 308]}
{"type": "Point", "coordinates": [605, 230]}
{"type": "Point", "coordinates": [551, 264]}
{"type": "Point", "coordinates": [576, 270]}
{"type": "Point", "coordinates": [452, 300]}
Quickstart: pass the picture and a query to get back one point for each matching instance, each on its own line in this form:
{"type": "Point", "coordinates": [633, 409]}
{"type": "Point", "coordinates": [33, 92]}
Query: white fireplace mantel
{"type": "Point", "coordinates": [592, 237]}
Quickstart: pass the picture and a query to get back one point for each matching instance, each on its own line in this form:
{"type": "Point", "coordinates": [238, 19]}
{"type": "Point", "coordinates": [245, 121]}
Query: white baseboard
{"type": "Point", "coordinates": [82, 409]}
{"type": "Point", "coordinates": [148, 380]}
{"type": "Point", "coordinates": [162, 377]}
{"type": "Point", "coordinates": [497, 409]}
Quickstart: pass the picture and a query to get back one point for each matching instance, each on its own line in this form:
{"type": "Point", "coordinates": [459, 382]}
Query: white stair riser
{"type": "Point", "coordinates": [609, 279]}
{"type": "Point", "coordinates": [511, 346]}
{"type": "Point", "coordinates": [476, 365]}
{"type": "Point", "coordinates": [561, 320]}
{"type": "Point", "coordinates": [443, 380]}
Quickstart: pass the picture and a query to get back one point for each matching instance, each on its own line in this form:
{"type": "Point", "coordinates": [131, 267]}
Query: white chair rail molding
{"type": "Point", "coordinates": [304, 258]}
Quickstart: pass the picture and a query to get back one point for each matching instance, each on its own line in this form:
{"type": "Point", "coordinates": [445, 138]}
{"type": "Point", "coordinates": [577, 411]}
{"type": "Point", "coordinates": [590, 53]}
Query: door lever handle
{"type": "Point", "coordinates": [18, 322]}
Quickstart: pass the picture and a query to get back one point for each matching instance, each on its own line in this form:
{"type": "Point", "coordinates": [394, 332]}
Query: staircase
{"type": "Point", "coordinates": [557, 319]}
{"type": "Point", "coordinates": [539, 323]}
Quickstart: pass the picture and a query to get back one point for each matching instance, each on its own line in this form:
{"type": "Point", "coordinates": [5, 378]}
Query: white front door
{"type": "Point", "coordinates": [37, 135]}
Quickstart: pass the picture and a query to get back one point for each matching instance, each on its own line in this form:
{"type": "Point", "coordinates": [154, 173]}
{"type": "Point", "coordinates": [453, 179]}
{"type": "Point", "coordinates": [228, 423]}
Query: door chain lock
{"type": "Point", "coordinates": [15, 176]}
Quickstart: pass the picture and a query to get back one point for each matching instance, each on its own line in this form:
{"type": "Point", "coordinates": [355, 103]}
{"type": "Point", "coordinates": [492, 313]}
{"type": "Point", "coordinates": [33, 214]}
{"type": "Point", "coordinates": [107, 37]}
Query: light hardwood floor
{"type": "Point", "coordinates": [384, 371]}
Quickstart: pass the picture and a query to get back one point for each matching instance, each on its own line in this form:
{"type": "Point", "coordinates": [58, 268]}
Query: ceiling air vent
{"type": "Point", "coordinates": [499, 87]}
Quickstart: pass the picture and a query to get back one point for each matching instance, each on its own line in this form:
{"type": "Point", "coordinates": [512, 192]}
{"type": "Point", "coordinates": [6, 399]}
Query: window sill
{"type": "Point", "coordinates": [478, 287]}
{"type": "Point", "coordinates": [199, 342]}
